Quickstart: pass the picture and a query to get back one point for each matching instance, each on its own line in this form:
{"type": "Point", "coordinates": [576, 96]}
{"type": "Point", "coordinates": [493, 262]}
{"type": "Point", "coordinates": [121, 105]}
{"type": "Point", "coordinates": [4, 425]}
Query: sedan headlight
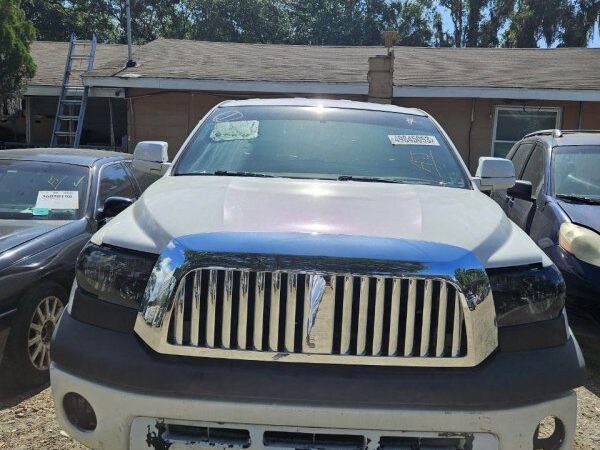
{"type": "Point", "coordinates": [581, 242]}
{"type": "Point", "coordinates": [113, 274]}
{"type": "Point", "coordinates": [527, 294]}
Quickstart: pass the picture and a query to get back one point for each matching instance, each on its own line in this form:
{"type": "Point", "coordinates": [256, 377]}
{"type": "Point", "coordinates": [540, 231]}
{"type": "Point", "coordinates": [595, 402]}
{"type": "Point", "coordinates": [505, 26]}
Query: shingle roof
{"type": "Point", "coordinates": [564, 68]}
{"type": "Point", "coordinates": [50, 58]}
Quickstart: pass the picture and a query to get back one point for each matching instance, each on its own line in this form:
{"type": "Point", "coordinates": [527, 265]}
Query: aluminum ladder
{"type": "Point", "coordinates": [70, 112]}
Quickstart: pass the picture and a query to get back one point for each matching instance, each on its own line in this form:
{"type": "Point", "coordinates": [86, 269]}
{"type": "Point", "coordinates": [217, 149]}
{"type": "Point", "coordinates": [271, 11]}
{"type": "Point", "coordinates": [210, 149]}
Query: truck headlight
{"type": "Point", "coordinates": [113, 274]}
{"type": "Point", "coordinates": [581, 242]}
{"type": "Point", "coordinates": [527, 294]}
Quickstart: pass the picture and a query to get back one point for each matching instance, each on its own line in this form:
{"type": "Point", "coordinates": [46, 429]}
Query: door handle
{"type": "Point", "coordinates": [508, 199]}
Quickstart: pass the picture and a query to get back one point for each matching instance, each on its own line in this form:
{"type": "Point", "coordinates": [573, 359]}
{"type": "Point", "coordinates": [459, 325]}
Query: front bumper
{"type": "Point", "coordinates": [138, 421]}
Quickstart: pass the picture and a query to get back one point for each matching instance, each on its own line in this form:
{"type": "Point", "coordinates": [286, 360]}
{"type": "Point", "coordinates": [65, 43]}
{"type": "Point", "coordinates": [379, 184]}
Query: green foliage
{"type": "Point", "coordinates": [16, 63]}
{"type": "Point", "coordinates": [476, 23]}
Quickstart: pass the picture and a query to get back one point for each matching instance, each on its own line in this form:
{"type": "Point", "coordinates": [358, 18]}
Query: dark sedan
{"type": "Point", "coordinates": [557, 201]}
{"type": "Point", "coordinates": [51, 202]}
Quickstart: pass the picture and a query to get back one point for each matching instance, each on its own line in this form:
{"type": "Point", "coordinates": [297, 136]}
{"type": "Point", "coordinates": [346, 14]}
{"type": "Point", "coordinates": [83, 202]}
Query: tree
{"type": "Point", "coordinates": [578, 21]}
{"type": "Point", "coordinates": [16, 63]}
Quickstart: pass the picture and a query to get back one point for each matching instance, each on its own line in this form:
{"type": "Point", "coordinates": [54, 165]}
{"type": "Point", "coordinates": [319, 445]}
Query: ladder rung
{"type": "Point", "coordinates": [65, 133]}
{"type": "Point", "coordinates": [75, 88]}
{"type": "Point", "coordinates": [69, 117]}
{"type": "Point", "coordinates": [80, 56]}
{"type": "Point", "coordinates": [72, 102]}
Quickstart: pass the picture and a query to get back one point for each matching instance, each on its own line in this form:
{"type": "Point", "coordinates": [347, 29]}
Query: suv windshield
{"type": "Point", "coordinates": [323, 143]}
{"type": "Point", "coordinates": [42, 190]}
{"type": "Point", "coordinates": [577, 172]}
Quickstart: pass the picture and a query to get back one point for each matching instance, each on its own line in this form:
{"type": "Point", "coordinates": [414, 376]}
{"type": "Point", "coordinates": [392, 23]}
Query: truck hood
{"type": "Point", "coordinates": [16, 232]}
{"type": "Point", "coordinates": [582, 214]}
{"type": "Point", "coordinates": [179, 206]}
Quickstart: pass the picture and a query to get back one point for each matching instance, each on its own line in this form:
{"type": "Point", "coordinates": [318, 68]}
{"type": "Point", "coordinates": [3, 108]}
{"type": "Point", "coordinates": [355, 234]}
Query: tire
{"type": "Point", "coordinates": [28, 348]}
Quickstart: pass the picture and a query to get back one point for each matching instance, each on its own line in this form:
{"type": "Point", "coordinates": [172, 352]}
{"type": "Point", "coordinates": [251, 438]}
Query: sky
{"type": "Point", "coordinates": [595, 42]}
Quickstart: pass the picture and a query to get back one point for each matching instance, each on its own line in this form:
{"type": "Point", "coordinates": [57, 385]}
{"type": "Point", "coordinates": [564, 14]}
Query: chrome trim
{"type": "Point", "coordinates": [470, 332]}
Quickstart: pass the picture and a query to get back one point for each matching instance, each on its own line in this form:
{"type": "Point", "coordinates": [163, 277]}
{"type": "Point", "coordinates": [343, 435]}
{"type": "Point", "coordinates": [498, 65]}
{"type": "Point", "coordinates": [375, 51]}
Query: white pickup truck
{"type": "Point", "coordinates": [316, 274]}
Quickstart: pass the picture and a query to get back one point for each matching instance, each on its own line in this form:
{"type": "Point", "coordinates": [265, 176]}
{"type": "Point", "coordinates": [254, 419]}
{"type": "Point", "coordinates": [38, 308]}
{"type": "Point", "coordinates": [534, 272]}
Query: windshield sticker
{"type": "Point", "coordinates": [228, 116]}
{"type": "Point", "coordinates": [40, 211]}
{"type": "Point", "coordinates": [412, 139]}
{"type": "Point", "coordinates": [233, 131]}
{"type": "Point", "coordinates": [57, 200]}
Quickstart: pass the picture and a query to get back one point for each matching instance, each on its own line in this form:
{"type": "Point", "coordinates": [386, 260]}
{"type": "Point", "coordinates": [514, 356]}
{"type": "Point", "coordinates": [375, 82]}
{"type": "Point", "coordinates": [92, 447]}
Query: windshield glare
{"type": "Point", "coordinates": [323, 143]}
{"type": "Point", "coordinates": [35, 190]}
{"type": "Point", "coordinates": [577, 171]}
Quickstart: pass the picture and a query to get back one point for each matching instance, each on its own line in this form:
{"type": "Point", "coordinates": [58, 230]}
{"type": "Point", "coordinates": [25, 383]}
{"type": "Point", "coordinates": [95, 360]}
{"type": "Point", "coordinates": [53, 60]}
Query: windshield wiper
{"type": "Point", "coordinates": [368, 179]}
{"type": "Point", "coordinates": [227, 173]}
{"type": "Point", "coordinates": [578, 199]}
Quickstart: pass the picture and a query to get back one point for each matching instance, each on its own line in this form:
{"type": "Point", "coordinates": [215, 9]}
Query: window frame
{"type": "Point", "coordinates": [557, 109]}
{"type": "Point", "coordinates": [131, 181]}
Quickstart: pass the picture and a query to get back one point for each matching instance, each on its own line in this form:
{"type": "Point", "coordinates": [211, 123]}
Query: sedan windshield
{"type": "Point", "coordinates": [41, 190]}
{"type": "Point", "coordinates": [322, 143]}
{"type": "Point", "coordinates": [577, 173]}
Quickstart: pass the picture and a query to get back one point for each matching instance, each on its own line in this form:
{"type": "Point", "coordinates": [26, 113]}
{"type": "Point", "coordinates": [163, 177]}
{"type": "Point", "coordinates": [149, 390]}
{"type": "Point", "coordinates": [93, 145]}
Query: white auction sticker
{"type": "Point", "coordinates": [412, 139]}
{"type": "Point", "coordinates": [57, 199]}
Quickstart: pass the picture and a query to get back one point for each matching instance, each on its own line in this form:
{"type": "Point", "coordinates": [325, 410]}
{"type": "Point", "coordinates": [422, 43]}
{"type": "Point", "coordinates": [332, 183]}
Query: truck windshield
{"type": "Point", "coordinates": [577, 172]}
{"type": "Point", "coordinates": [35, 190]}
{"type": "Point", "coordinates": [321, 143]}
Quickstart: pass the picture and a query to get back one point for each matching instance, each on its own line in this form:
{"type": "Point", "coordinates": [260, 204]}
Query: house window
{"type": "Point", "coordinates": [511, 123]}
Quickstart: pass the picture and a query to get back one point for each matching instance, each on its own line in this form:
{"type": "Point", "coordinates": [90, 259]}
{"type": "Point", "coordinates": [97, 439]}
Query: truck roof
{"type": "Point", "coordinates": [326, 103]}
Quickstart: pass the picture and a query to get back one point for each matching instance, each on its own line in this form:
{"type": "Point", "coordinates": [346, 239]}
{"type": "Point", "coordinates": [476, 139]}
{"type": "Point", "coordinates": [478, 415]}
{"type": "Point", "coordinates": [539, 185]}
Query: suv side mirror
{"type": "Point", "coordinates": [522, 189]}
{"type": "Point", "coordinates": [113, 206]}
{"type": "Point", "coordinates": [151, 157]}
{"type": "Point", "coordinates": [494, 174]}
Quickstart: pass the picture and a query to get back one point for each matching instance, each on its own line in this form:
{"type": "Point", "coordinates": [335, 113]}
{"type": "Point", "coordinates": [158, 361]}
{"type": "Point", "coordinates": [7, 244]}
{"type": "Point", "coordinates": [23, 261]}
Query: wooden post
{"type": "Point", "coordinates": [28, 120]}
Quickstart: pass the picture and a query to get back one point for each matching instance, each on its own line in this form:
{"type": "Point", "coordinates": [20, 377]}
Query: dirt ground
{"type": "Point", "coordinates": [27, 420]}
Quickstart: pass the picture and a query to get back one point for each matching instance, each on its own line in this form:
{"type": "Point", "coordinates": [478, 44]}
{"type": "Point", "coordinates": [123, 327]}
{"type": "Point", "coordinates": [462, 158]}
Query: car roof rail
{"type": "Point", "coordinates": [556, 133]}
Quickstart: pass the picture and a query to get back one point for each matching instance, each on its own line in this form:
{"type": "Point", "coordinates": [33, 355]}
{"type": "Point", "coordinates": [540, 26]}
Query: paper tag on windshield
{"type": "Point", "coordinates": [232, 131]}
{"type": "Point", "coordinates": [412, 139]}
{"type": "Point", "coordinates": [57, 200]}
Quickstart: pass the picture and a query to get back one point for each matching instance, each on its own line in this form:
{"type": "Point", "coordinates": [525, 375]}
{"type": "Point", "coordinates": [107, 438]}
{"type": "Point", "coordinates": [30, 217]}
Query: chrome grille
{"type": "Point", "coordinates": [364, 316]}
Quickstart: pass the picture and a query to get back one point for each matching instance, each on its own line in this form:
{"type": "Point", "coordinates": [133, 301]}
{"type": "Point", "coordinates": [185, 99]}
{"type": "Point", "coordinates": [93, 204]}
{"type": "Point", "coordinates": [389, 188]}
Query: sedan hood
{"type": "Point", "coordinates": [582, 214]}
{"type": "Point", "coordinates": [178, 206]}
{"type": "Point", "coordinates": [16, 232]}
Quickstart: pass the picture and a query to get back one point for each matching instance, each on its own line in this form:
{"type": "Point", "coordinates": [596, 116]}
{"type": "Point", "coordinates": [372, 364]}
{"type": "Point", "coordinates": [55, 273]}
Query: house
{"type": "Point", "coordinates": [486, 99]}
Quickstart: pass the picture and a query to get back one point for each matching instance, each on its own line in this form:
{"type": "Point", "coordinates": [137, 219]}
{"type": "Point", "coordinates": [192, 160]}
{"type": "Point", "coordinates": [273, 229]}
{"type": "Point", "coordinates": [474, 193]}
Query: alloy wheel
{"type": "Point", "coordinates": [42, 325]}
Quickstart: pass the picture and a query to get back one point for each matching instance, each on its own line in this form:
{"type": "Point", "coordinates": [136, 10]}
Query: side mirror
{"type": "Point", "coordinates": [151, 157]}
{"type": "Point", "coordinates": [113, 206]}
{"type": "Point", "coordinates": [494, 174]}
{"type": "Point", "coordinates": [522, 189]}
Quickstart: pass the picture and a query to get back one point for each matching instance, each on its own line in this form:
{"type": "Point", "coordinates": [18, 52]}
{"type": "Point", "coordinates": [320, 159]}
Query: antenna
{"type": "Point", "coordinates": [130, 61]}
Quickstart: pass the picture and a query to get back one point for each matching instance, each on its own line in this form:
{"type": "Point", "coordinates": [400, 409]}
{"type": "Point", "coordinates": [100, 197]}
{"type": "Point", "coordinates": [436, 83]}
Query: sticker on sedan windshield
{"type": "Point", "coordinates": [57, 200]}
{"type": "Point", "coordinates": [233, 131]}
{"type": "Point", "coordinates": [40, 211]}
{"type": "Point", "coordinates": [412, 139]}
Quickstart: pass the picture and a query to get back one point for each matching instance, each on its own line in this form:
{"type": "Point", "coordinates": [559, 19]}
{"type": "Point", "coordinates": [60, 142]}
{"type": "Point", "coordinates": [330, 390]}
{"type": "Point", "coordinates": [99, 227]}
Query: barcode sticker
{"type": "Point", "coordinates": [412, 139]}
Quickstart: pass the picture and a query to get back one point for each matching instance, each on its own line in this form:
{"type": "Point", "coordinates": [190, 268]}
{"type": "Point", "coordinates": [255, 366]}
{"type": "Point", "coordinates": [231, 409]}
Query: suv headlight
{"type": "Point", "coordinates": [581, 242]}
{"type": "Point", "coordinates": [113, 274]}
{"type": "Point", "coordinates": [527, 294]}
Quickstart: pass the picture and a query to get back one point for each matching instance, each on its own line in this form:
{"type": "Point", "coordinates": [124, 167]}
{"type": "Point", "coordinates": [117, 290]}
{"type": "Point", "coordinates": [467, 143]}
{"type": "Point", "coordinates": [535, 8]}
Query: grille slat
{"type": "Point", "coordinates": [441, 322]}
{"type": "Point", "coordinates": [195, 318]}
{"type": "Point", "coordinates": [409, 338]}
{"type": "Point", "coordinates": [345, 334]}
{"type": "Point", "coordinates": [211, 308]}
{"type": "Point", "coordinates": [290, 312]}
{"type": "Point", "coordinates": [259, 310]}
{"type": "Point", "coordinates": [426, 324]}
{"type": "Point", "coordinates": [227, 305]}
{"type": "Point", "coordinates": [378, 325]}
{"type": "Point", "coordinates": [242, 330]}
{"type": "Point", "coordinates": [394, 317]}
{"type": "Point", "coordinates": [353, 315]}
{"type": "Point", "coordinates": [457, 326]}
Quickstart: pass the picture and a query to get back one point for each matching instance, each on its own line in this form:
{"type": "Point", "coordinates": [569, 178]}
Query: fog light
{"type": "Point", "coordinates": [549, 434]}
{"type": "Point", "coordinates": [79, 412]}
